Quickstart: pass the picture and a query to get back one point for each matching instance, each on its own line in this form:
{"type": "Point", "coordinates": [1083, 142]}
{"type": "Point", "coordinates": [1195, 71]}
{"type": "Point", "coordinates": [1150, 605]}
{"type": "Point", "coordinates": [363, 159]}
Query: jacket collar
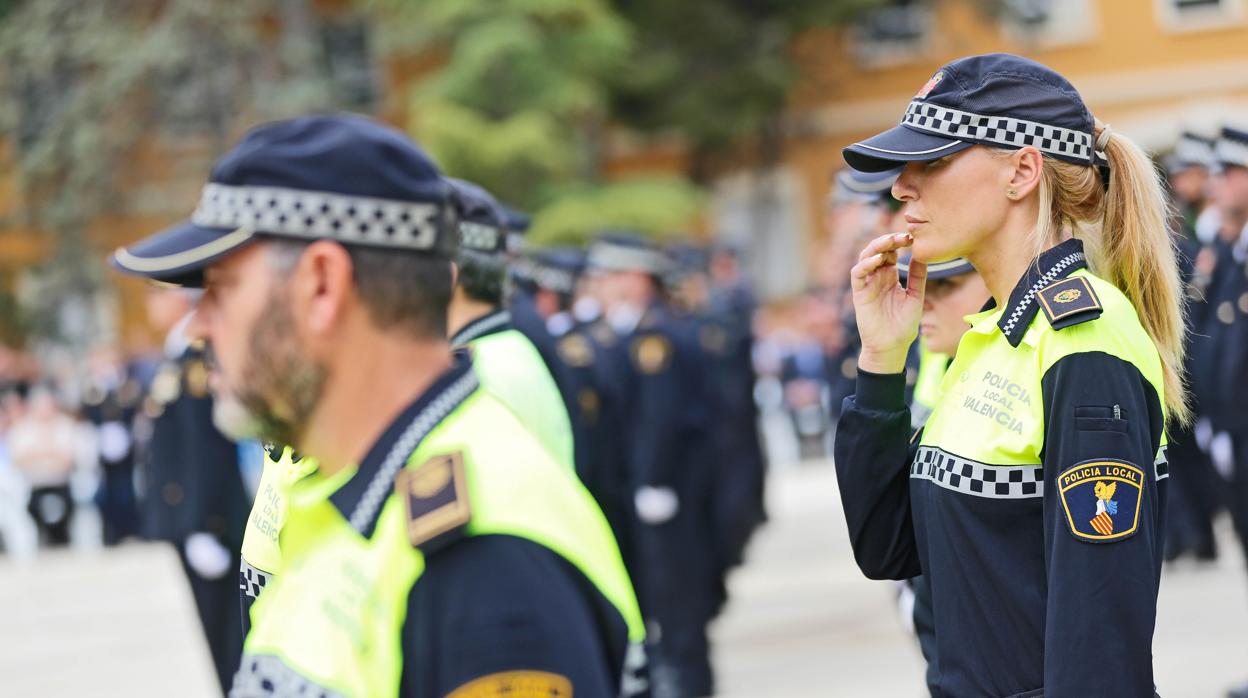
{"type": "Point", "coordinates": [490, 323]}
{"type": "Point", "coordinates": [1052, 264]}
{"type": "Point", "coordinates": [360, 498]}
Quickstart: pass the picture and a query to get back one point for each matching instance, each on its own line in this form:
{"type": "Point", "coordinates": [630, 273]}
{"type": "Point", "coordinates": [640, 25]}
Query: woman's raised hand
{"type": "Point", "coordinates": [887, 313]}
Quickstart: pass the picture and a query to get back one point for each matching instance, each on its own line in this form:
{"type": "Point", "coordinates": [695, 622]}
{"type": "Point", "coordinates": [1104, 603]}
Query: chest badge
{"type": "Point", "coordinates": [1102, 499]}
{"type": "Point", "coordinates": [435, 495]}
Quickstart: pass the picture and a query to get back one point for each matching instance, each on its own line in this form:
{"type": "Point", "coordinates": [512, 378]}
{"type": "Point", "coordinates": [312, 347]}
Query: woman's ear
{"type": "Point", "coordinates": [1028, 166]}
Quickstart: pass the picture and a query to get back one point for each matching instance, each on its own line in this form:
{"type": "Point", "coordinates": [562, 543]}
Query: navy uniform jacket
{"type": "Point", "coordinates": [1226, 325]}
{"type": "Point", "coordinates": [1033, 595]}
{"type": "Point", "coordinates": [668, 419]}
{"type": "Point", "coordinates": [193, 483]}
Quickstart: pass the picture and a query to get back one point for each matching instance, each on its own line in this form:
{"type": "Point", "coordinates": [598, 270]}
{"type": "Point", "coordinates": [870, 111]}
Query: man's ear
{"type": "Point", "coordinates": [1028, 166]}
{"type": "Point", "coordinates": [322, 284]}
{"type": "Point", "coordinates": [454, 275]}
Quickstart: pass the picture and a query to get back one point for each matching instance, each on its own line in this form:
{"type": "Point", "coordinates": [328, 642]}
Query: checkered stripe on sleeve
{"type": "Point", "coordinates": [251, 581]}
{"type": "Point", "coordinates": [267, 676]}
{"type": "Point", "coordinates": [1001, 130]}
{"type": "Point", "coordinates": [978, 479]}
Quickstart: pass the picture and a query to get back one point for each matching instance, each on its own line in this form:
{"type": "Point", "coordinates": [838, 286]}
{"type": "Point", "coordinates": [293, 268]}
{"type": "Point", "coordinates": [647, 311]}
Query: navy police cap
{"type": "Point", "coordinates": [998, 100]}
{"type": "Point", "coordinates": [338, 177]}
{"type": "Point", "coordinates": [625, 251]}
{"type": "Point", "coordinates": [1191, 150]}
{"type": "Point", "coordinates": [482, 220]}
{"type": "Point", "coordinates": [553, 268]}
{"type": "Point", "coordinates": [1231, 149]}
{"type": "Point", "coordinates": [936, 270]}
{"type": "Point", "coordinates": [855, 185]}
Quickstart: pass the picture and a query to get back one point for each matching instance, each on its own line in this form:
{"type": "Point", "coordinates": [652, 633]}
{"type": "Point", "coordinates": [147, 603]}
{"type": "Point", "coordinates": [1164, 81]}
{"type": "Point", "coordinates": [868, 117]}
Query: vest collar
{"type": "Point", "coordinates": [490, 323]}
{"type": "Point", "coordinates": [1052, 264]}
{"type": "Point", "coordinates": [359, 499]}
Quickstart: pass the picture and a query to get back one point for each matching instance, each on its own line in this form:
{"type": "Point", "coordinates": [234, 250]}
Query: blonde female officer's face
{"type": "Point", "coordinates": [953, 204]}
{"type": "Point", "coordinates": [945, 303]}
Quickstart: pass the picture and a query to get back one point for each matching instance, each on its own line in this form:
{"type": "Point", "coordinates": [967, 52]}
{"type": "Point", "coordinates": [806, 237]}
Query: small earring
{"type": "Point", "coordinates": [1012, 193]}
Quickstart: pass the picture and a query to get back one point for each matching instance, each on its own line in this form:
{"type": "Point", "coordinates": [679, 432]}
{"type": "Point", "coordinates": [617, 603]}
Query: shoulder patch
{"type": "Point", "coordinates": [575, 351]}
{"type": "Point", "coordinates": [435, 495]}
{"type": "Point", "coordinates": [516, 684]}
{"type": "Point", "coordinates": [1101, 499]}
{"type": "Point", "coordinates": [651, 353]}
{"type": "Point", "coordinates": [1069, 302]}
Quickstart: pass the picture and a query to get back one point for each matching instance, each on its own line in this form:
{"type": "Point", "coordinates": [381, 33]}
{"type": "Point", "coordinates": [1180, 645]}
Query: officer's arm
{"type": "Point", "coordinates": [500, 615]}
{"type": "Point", "coordinates": [872, 470]}
{"type": "Point", "coordinates": [1101, 416]}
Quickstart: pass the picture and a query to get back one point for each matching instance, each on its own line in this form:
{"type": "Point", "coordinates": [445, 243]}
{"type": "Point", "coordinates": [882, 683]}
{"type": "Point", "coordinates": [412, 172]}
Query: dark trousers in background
{"type": "Point", "coordinates": [52, 508]}
{"type": "Point", "coordinates": [1194, 498]}
{"type": "Point", "coordinates": [117, 502]}
{"type": "Point", "coordinates": [1236, 496]}
{"type": "Point", "coordinates": [216, 600]}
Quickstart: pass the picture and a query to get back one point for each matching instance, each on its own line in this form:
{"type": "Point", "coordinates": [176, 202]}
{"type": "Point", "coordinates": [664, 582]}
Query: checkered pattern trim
{"type": "Point", "coordinates": [266, 676]}
{"type": "Point", "coordinates": [1055, 272]}
{"type": "Point", "coordinates": [480, 237]}
{"type": "Point", "coordinates": [313, 214]}
{"type": "Point", "coordinates": [978, 479]}
{"type": "Point", "coordinates": [1231, 152]}
{"type": "Point", "coordinates": [481, 327]}
{"type": "Point", "coordinates": [382, 484]}
{"type": "Point", "coordinates": [544, 276]}
{"type": "Point", "coordinates": [1161, 466]}
{"type": "Point", "coordinates": [252, 581]}
{"type": "Point", "coordinates": [1002, 130]}
{"type": "Point", "coordinates": [611, 257]}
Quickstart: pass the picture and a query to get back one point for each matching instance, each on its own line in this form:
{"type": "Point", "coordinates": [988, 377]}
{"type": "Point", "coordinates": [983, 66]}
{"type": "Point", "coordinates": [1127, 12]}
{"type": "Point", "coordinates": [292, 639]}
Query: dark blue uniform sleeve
{"type": "Point", "coordinates": [507, 613]}
{"type": "Point", "coordinates": [872, 469]}
{"type": "Point", "coordinates": [1103, 510]}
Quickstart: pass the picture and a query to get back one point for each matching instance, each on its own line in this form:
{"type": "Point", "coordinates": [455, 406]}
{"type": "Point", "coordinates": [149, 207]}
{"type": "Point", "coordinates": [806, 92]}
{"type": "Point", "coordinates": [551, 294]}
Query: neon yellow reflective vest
{"type": "Point", "coordinates": [330, 623]}
{"type": "Point", "coordinates": [512, 370]}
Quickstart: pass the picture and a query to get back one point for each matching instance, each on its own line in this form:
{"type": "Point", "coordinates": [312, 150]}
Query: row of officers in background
{"type": "Point", "coordinates": [648, 351]}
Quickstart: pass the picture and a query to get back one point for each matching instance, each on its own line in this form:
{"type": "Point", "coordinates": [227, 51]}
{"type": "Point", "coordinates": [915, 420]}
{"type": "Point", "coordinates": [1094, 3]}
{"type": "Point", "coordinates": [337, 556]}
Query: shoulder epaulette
{"type": "Point", "coordinates": [1069, 302]}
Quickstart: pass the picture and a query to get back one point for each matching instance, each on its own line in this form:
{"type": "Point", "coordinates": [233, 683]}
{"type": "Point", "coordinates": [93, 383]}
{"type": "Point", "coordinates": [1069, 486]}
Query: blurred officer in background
{"type": "Point", "coordinates": [194, 496]}
{"type": "Point", "coordinates": [111, 402]}
{"type": "Point", "coordinates": [437, 549]}
{"type": "Point", "coordinates": [725, 339]}
{"type": "Point", "coordinates": [545, 284]}
{"type": "Point", "coordinates": [1227, 326]}
{"type": "Point", "coordinates": [1193, 490]}
{"type": "Point", "coordinates": [668, 423]}
{"type": "Point", "coordinates": [508, 364]}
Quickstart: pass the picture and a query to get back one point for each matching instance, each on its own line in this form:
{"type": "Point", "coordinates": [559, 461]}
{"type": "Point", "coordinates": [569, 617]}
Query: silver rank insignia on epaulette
{"type": "Point", "coordinates": [1069, 302]}
{"type": "Point", "coordinates": [435, 495]}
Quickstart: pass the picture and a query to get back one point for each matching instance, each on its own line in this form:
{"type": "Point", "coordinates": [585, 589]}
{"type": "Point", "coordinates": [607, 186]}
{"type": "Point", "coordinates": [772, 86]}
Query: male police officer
{"type": "Point", "coordinates": [437, 549]}
{"type": "Point", "coordinates": [508, 364]}
{"type": "Point", "coordinates": [670, 460]}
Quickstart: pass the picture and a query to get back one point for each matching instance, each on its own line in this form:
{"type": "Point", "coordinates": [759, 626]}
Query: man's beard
{"type": "Point", "coordinates": [280, 387]}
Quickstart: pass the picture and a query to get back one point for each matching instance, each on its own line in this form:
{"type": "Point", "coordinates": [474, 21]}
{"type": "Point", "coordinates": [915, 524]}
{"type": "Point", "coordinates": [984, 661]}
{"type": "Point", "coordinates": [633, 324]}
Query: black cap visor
{"type": "Point", "coordinates": [899, 145]}
{"type": "Point", "coordinates": [180, 254]}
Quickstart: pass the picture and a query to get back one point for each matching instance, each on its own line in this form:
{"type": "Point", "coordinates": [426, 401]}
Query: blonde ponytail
{"type": "Point", "coordinates": [1128, 243]}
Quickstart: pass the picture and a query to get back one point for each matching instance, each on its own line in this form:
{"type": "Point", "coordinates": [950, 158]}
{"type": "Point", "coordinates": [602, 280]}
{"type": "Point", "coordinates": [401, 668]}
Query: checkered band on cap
{"type": "Point", "coordinates": [479, 237]}
{"type": "Point", "coordinates": [313, 214]}
{"type": "Point", "coordinates": [978, 479]}
{"type": "Point", "coordinates": [1231, 152]}
{"type": "Point", "coordinates": [1001, 130]}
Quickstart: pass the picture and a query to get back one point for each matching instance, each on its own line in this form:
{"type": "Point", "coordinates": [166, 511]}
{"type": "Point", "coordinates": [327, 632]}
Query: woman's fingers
{"type": "Point", "coordinates": [863, 271]}
{"type": "Point", "coordinates": [886, 243]}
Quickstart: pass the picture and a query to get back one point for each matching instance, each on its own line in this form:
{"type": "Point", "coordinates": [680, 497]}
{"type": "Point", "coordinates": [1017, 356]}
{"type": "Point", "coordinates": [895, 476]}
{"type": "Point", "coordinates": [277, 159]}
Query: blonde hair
{"type": "Point", "coordinates": [1127, 241]}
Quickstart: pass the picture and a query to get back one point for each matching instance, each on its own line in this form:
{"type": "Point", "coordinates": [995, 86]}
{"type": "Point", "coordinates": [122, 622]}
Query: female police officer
{"type": "Point", "coordinates": [1033, 498]}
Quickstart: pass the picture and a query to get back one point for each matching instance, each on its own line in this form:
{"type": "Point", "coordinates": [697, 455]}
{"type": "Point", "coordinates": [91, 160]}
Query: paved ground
{"type": "Point", "coordinates": [803, 621]}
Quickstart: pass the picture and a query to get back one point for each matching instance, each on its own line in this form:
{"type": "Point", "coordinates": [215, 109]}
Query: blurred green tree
{"type": "Point", "coordinates": [718, 73]}
{"type": "Point", "coordinates": [520, 105]}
